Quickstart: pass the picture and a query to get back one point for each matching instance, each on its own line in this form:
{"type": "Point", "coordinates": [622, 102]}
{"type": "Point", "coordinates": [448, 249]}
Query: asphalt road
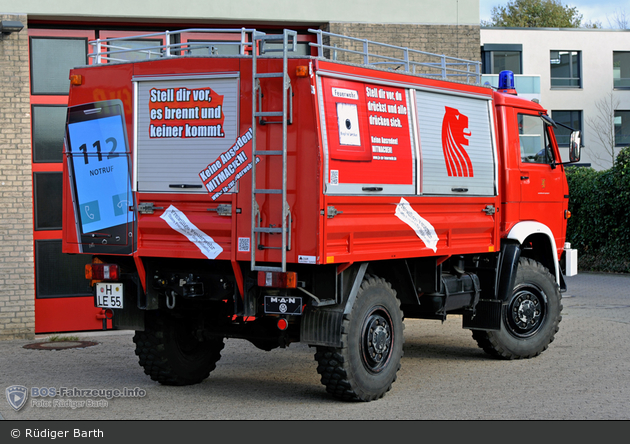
{"type": "Point", "coordinates": [444, 376]}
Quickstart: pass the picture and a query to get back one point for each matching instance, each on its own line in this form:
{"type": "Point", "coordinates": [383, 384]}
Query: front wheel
{"type": "Point", "coordinates": [530, 318]}
{"type": "Point", "coordinates": [365, 367]}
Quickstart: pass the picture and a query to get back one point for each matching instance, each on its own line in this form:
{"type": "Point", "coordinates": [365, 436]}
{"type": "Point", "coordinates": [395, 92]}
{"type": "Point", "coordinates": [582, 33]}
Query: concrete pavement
{"type": "Point", "coordinates": [444, 375]}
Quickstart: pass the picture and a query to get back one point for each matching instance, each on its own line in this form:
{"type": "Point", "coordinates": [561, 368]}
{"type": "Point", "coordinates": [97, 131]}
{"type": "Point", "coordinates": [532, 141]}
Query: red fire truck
{"type": "Point", "coordinates": [279, 195]}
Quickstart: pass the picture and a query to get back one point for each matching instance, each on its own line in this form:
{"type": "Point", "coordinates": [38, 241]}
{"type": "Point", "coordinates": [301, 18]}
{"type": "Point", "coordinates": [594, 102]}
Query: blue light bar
{"type": "Point", "coordinates": [506, 80]}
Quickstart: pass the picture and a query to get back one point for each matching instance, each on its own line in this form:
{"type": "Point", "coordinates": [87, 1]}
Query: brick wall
{"type": "Point", "coordinates": [17, 301]}
{"type": "Point", "coordinates": [451, 40]}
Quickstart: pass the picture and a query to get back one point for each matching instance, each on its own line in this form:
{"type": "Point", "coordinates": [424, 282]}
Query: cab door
{"type": "Point", "coordinates": [543, 183]}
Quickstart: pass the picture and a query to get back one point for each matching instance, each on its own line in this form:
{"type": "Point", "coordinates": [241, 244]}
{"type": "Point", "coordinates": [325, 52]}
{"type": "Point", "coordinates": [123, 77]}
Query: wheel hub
{"type": "Point", "coordinates": [526, 312]}
{"type": "Point", "coordinates": [380, 339]}
{"type": "Point", "coordinates": [377, 342]}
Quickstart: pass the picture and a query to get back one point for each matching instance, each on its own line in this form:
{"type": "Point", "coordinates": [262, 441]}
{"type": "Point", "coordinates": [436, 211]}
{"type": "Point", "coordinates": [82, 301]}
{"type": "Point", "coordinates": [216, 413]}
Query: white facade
{"type": "Point", "coordinates": [445, 12]}
{"type": "Point", "coordinates": [596, 75]}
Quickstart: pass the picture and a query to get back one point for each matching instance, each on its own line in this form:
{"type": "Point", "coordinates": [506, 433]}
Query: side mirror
{"type": "Point", "coordinates": [575, 146]}
{"type": "Point", "coordinates": [549, 121]}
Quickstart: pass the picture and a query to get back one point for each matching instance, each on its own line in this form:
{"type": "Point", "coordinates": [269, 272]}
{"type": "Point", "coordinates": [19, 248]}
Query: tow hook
{"type": "Point", "coordinates": [170, 299]}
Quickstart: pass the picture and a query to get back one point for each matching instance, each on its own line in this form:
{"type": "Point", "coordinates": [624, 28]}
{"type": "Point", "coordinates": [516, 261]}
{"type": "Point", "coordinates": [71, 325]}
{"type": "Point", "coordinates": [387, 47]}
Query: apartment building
{"type": "Point", "coordinates": [581, 75]}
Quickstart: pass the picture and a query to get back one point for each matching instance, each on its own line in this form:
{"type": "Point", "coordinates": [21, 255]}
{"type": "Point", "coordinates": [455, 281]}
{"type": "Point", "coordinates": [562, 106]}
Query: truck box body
{"type": "Point", "coordinates": [400, 162]}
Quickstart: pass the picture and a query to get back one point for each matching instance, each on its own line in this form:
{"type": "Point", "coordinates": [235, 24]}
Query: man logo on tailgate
{"type": "Point", "coordinates": [455, 135]}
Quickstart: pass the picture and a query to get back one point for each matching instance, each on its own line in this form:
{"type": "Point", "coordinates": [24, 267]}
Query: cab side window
{"type": "Point", "coordinates": [534, 140]}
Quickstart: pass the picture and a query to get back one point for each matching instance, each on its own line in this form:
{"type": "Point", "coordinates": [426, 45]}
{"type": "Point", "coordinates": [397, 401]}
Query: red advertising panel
{"type": "Point", "coordinates": [368, 133]}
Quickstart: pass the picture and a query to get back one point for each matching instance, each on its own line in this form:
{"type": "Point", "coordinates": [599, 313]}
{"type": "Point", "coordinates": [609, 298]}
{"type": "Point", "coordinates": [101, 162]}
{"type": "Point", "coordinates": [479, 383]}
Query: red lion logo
{"type": "Point", "coordinates": [454, 137]}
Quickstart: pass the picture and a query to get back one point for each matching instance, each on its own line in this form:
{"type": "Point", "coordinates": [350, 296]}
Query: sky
{"type": "Point", "coordinates": [591, 10]}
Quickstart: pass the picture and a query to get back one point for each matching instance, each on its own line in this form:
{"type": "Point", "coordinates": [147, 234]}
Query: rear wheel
{"type": "Point", "coordinates": [171, 353]}
{"type": "Point", "coordinates": [365, 367]}
{"type": "Point", "coordinates": [531, 317]}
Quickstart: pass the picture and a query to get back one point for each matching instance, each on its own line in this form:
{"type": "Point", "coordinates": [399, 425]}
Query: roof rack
{"type": "Point", "coordinates": [362, 51]}
{"type": "Point", "coordinates": [126, 49]}
{"type": "Point", "coordinates": [329, 46]}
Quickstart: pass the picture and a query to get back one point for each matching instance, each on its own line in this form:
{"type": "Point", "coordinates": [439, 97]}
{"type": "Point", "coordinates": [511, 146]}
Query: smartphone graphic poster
{"type": "Point", "coordinates": [98, 157]}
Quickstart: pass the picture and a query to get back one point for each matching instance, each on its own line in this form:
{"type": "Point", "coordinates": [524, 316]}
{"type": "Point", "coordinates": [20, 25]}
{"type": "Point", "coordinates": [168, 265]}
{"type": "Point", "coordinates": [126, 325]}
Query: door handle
{"type": "Point", "coordinates": [524, 177]}
{"type": "Point", "coordinates": [184, 185]}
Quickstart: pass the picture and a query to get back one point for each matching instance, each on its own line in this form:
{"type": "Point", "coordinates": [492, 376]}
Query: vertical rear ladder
{"type": "Point", "coordinates": [257, 113]}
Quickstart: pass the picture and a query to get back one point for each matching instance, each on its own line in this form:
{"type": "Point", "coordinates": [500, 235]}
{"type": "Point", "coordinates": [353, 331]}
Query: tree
{"type": "Point", "coordinates": [620, 20]}
{"type": "Point", "coordinates": [603, 126]}
{"type": "Point", "coordinates": [535, 14]}
{"type": "Point", "coordinates": [592, 25]}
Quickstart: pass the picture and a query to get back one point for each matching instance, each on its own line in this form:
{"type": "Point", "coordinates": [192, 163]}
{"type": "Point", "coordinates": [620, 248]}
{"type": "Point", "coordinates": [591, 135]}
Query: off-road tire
{"type": "Point", "coordinates": [530, 317]}
{"type": "Point", "coordinates": [264, 344]}
{"type": "Point", "coordinates": [171, 355]}
{"type": "Point", "coordinates": [357, 371]}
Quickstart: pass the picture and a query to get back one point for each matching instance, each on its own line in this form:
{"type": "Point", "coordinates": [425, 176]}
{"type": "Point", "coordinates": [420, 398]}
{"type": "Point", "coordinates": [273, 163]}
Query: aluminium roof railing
{"type": "Point", "coordinates": [446, 68]}
{"type": "Point", "coordinates": [107, 50]}
{"type": "Point", "coordinates": [328, 46]}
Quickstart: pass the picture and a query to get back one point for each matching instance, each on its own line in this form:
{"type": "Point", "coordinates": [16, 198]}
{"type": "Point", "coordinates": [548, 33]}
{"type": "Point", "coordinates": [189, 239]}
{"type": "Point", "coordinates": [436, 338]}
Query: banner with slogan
{"type": "Point", "coordinates": [220, 176]}
{"type": "Point", "coordinates": [183, 124]}
{"type": "Point", "coordinates": [185, 113]}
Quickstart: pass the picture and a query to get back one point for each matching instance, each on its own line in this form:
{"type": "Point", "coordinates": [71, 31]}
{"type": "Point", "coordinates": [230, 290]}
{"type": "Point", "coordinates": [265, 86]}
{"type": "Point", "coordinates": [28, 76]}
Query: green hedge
{"type": "Point", "coordinates": [599, 227]}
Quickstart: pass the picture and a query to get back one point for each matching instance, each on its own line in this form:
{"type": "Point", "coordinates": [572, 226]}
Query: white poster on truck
{"type": "Point", "coordinates": [180, 223]}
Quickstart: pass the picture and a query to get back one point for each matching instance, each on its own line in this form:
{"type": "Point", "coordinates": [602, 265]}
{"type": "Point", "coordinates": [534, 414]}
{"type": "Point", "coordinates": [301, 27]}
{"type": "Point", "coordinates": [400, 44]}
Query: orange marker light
{"type": "Point", "coordinates": [301, 71]}
{"type": "Point", "coordinates": [76, 79]}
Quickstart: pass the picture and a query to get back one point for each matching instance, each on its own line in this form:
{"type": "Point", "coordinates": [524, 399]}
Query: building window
{"type": "Point", "coordinates": [141, 49]}
{"type": "Point", "coordinates": [48, 191]}
{"type": "Point", "coordinates": [209, 47]}
{"type": "Point", "coordinates": [566, 69]}
{"type": "Point", "coordinates": [51, 61]}
{"type": "Point", "coordinates": [569, 118]}
{"type": "Point", "coordinates": [622, 128]}
{"type": "Point", "coordinates": [621, 69]}
{"type": "Point", "coordinates": [59, 275]}
{"type": "Point", "coordinates": [301, 48]}
{"type": "Point", "coordinates": [496, 58]}
{"type": "Point", "coordinates": [48, 130]}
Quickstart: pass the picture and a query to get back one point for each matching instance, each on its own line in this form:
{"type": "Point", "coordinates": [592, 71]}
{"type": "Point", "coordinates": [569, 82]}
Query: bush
{"type": "Point", "coordinates": [600, 206]}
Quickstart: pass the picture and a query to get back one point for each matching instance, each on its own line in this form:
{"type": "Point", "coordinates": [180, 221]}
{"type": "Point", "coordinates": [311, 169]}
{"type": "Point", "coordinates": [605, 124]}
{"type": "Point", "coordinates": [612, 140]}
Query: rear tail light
{"type": "Point", "coordinates": [102, 272]}
{"type": "Point", "coordinates": [277, 279]}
